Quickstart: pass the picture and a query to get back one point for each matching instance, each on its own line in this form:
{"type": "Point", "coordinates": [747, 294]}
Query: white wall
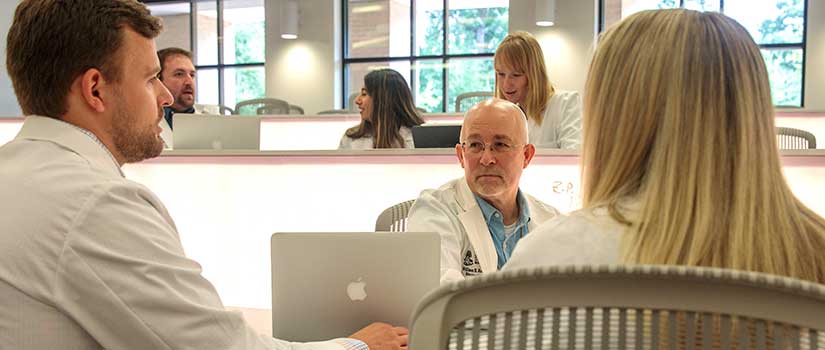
{"type": "Point", "coordinates": [306, 71]}
{"type": "Point", "coordinates": [8, 102]}
{"type": "Point", "coordinates": [176, 32]}
{"type": "Point", "coordinates": [567, 45]}
{"type": "Point", "coordinates": [815, 57]}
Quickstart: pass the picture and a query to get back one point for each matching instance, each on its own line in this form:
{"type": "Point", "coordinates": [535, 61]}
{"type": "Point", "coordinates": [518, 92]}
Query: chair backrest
{"type": "Point", "coordinates": [394, 218]}
{"type": "Point", "coordinates": [336, 111]}
{"type": "Point", "coordinates": [790, 138]}
{"type": "Point", "coordinates": [260, 106]}
{"type": "Point", "coordinates": [213, 109]}
{"type": "Point", "coordinates": [464, 101]}
{"type": "Point", "coordinates": [621, 307]}
{"type": "Point", "coordinates": [293, 109]}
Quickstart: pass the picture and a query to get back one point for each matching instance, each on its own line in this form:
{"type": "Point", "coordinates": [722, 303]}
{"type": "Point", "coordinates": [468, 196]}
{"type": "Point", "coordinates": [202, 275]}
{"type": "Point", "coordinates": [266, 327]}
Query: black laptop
{"type": "Point", "coordinates": [436, 135]}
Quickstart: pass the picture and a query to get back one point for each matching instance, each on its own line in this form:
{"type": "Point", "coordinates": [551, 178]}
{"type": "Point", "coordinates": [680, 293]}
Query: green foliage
{"type": "Point", "coordinates": [785, 73]}
{"type": "Point", "coordinates": [784, 66]}
{"type": "Point", "coordinates": [429, 85]}
{"type": "Point", "coordinates": [667, 4]}
{"type": "Point", "coordinates": [249, 48]}
{"type": "Point", "coordinates": [249, 42]}
{"type": "Point", "coordinates": [702, 5]}
{"type": "Point", "coordinates": [249, 83]}
{"type": "Point", "coordinates": [787, 27]}
{"type": "Point", "coordinates": [477, 30]}
{"type": "Point", "coordinates": [471, 31]}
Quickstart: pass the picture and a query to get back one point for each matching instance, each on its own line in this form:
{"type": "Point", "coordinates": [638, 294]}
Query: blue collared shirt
{"type": "Point", "coordinates": [495, 223]}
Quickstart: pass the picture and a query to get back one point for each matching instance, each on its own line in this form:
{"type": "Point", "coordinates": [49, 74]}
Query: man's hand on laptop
{"type": "Point", "coordinates": [381, 336]}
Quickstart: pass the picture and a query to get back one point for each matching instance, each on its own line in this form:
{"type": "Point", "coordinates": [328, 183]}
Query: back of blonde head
{"type": "Point", "coordinates": [678, 115]}
{"type": "Point", "coordinates": [520, 51]}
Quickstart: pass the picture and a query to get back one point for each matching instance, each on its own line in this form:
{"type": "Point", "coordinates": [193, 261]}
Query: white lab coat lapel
{"type": "Point", "coordinates": [476, 228]}
{"type": "Point", "coordinates": [539, 213]}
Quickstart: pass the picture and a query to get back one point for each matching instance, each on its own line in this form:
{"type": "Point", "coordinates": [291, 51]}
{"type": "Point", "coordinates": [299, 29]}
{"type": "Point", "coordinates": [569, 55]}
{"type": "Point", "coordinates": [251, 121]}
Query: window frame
{"type": "Point", "coordinates": [221, 67]}
{"type": "Point", "coordinates": [412, 58]}
{"type": "Point", "coordinates": [803, 45]}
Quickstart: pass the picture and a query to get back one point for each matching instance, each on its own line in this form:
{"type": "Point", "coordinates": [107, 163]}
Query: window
{"type": "Point", "coordinates": [441, 53]}
{"type": "Point", "coordinates": [229, 70]}
{"type": "Point", "coordinates": [778, 26]}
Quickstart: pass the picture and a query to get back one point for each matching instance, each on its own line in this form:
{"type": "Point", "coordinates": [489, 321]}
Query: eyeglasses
{"type": "Point", "coordinates": [477, 147]}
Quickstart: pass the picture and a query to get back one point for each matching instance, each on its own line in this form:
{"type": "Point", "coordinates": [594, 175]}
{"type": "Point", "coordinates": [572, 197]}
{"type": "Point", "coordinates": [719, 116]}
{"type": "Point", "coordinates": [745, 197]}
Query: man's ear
{"type": "Point", "coordinates": [459, 154]}
{"type": "Point", "coordinates": [92, 90]}
{"type": "Point", "coordinates": [529, 152]}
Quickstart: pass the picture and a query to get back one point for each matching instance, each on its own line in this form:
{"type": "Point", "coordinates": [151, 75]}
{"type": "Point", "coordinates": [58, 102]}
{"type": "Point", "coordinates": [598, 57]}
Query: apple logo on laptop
{"type": "Point", "coordinates": [356, 291]}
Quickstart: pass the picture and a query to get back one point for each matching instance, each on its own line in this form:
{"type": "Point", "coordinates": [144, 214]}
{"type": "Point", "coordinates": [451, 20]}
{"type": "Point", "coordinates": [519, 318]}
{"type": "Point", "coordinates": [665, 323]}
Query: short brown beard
{"type": "Point", "coordinates": [133, 144]}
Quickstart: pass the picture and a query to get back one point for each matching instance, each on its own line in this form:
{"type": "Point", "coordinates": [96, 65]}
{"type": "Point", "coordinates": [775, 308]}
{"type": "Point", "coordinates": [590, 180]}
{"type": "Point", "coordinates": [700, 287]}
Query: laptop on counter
{"type": "Point", "coordinates": [330, 285]}
{"type": "Point", "coordinates": [216, 132]}
{"type": "Point", "coordinates": [436, 135]}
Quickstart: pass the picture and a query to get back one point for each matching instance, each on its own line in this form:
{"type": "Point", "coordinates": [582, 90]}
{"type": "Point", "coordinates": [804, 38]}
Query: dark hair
{"type": "Point", "coordinates": [392, 108]}
{"type": "Point", "coordinates": [52, 42]}
{"type": "Point", "coordinates": [169, 52]}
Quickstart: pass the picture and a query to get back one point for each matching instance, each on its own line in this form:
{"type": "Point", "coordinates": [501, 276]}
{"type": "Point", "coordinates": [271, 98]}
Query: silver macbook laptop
{"type": "Point", "coordinates": [329, 285]}
{"type": "Point", "coordinates": [216, 132]}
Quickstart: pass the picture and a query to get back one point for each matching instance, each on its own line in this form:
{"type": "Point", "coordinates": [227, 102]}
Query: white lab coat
{"type": "Point", "coordinates": [466, 244]}
{"type": "Point", "coordinates": [562, 123]}
{"type": "Point", "coordinates": [587, 236]}
{"type": "Point", "coordinates": [366, 141]}
{"type": "Point", "coordinates": [91, 260]}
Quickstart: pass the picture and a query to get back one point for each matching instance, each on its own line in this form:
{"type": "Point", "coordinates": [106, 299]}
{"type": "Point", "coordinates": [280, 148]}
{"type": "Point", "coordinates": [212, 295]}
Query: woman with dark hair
{"type": "Point", "coordinates": [387, 113]}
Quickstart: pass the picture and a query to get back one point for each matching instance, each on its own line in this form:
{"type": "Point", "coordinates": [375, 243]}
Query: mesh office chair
{"type": "Point", "coordinates": [394, 218]}
{"type": "Point", "coordinates": [213, 109]}
{"type": "Point", "coordinates": [622, 307]}
{"type": "Point", "coordinates": [790, 138]}
{"type": "Point", "coordinates": [293, 109]}
{"type": "Point", "coordinates": [260, 106]}
{"type": "Point", "coordinates": [336, 111]}
{"type": "Point", "coordinates": [468, 99]}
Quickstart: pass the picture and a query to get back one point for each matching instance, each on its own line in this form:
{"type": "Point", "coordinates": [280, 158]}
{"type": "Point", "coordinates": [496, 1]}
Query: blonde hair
{"type": "Point", "coordinates": [678, 115]}
{"type": "Point", "coordinates": [521, 52]}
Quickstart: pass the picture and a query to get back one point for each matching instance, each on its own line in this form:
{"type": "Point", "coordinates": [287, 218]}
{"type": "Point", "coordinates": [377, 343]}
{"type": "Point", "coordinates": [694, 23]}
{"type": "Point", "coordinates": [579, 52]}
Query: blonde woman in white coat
{"type": "Point", "coordinates": [680, 163]}
{"type": "Point", "coordinates": [553, 116]}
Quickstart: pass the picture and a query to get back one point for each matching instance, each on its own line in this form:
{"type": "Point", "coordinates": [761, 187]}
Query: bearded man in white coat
{"type": "Point", "coordinates": [88, 258]}
{"type": "Point", "coordinates": [482, 215]}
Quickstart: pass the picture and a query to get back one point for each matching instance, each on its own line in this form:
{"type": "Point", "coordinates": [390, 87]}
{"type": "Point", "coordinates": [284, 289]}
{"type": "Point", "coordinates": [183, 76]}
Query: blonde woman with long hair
{"type": "Point", "coordinates": [680, 162]}
{"type": "Point", "coordinates": [553, 116]}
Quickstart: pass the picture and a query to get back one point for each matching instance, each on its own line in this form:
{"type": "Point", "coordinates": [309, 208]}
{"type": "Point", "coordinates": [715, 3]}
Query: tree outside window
{"type": "Point", "coordinates": [778, 26]}
{"type": "Point", "coordinates": [474, 30]}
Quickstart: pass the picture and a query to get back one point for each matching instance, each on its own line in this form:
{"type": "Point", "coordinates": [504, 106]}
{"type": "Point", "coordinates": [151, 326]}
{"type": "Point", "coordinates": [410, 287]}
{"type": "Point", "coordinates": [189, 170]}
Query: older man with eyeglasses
{"type": "Point", "coordinates": [482, 215]}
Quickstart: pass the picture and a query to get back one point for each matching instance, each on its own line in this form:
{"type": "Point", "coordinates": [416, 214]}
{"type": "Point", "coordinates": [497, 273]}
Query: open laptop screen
{"type": "Point", "coordinates": [216, 132]}
{"type": "Point", "coordinates": [331, 284]}
{"type": "Point", "coordinates": [436, 135]}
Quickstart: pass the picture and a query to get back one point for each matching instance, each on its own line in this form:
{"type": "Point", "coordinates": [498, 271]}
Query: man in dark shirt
{"type": "Point", "coordinates": [178, 75]}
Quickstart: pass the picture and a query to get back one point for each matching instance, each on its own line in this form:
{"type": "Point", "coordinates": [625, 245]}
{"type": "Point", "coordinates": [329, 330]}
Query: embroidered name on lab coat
{"type": "Point", "coordinates": [470, 266]}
